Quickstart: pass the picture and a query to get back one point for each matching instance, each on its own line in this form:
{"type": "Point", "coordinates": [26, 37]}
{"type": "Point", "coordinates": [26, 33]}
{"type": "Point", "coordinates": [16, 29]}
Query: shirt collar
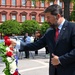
{"type": "Point", "coordinates": [60, 26]}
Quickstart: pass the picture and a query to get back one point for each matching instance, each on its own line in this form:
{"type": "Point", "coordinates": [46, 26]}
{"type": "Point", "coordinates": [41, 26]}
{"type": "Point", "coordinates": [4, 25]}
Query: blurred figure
{"type": "Point", "coordinates": [14, 36]}
{"type": "Point", "coordinates": [32, 38]}
{"type": "Point", "coordinates": [27, 40]}
{"type": "Point", "coordinates": [21, 49]}
{"type": "Point", "coordinates": [37, 37]}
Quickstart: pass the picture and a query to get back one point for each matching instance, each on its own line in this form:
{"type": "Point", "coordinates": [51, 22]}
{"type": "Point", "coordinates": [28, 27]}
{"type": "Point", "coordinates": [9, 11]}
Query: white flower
{"type": "Point", "coordinates": [9, 59]}
{"type": "Point", "coordinates": [7, 49]}
{"type": "Point", "coordinates": [13, 67]}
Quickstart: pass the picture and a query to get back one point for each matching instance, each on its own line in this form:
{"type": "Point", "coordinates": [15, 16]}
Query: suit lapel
{"type": "Point", "coordinates": [62, 31]}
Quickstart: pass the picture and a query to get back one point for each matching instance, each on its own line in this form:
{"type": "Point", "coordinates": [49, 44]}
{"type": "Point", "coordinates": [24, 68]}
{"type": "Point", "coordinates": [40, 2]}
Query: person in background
{"type": "Point", "coordinates": [37, 37]}
{"type": "Point", "coordinates": [14, 36]}
{"type": "Point", "coordinates": [60, 39]}
{"type": "Point", "coordinates": [21, 49]}
{"type": "Point", "coordinates": [32, 38]}
{"type": "Point", "coordinates": [27, 40]}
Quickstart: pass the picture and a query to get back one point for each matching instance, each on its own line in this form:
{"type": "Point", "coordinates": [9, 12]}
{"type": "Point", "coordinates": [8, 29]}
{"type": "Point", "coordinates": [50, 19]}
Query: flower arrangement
{"type": "Point", "coordinates": [8, 57]}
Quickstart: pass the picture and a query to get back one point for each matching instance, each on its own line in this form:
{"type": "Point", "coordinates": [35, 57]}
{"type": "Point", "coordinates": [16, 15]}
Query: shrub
{"type": "Point", "coordinates": [30, 26]}
{"type": "Point", "coordinates": [10, 27]}
{"type": "Point", "coordinates": [44, 27]}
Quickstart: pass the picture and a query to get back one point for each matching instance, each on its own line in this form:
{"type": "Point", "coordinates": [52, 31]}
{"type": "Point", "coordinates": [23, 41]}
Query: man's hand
{"type": "Point", "coordinates": [55, 60]}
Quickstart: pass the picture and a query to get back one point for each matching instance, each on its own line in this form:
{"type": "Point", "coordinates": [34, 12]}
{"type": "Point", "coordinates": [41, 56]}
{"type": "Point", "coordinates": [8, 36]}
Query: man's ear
{"type": "Point", "coordinates": [58, 16]}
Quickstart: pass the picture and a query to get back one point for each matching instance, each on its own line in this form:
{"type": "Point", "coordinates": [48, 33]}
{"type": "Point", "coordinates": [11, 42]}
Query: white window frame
{"type": "Point", "coordinates": [23, 2]}
{"type": "Point", "coordinates": [33, 17]}
{"type": "Point", "coordinates": [32, 3]}
{"type": "Point", "coordinates": [42, 3]}
{"type": "Point", "coordinates": [23, 18]}
{"type": "Point", "coordinates": [42, 18]}
{"type": "Point", "coordinates": [13, 2]}
{"type": "Point", "coordinates": [3, 2]}
{"type": "Point", "coordinates": [3, 17]}
{"type": "Point", "coordinates": [13, 17]}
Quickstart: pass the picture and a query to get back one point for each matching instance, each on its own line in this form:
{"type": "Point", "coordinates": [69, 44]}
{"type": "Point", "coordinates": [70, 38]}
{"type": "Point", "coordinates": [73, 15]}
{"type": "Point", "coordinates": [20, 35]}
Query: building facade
{"type": "Point", "coordinates": [22, 10]}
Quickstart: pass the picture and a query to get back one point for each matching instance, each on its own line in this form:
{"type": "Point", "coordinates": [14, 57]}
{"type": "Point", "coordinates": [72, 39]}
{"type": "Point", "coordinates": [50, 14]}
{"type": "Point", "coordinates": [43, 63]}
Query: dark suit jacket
{"type": "Point", "coordinates": [64, 48]}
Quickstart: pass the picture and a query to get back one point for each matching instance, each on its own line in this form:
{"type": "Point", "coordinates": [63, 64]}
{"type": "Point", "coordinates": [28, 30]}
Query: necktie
{"type": "Point", "coordinates": [56, 37]}
{"type": "Point", "coordinates": [56, 34]}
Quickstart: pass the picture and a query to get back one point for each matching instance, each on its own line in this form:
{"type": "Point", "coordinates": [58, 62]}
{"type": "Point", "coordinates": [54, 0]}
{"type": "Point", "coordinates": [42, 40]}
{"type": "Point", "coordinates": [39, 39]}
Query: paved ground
{"type": "Point", "coordinates": [35, 65]}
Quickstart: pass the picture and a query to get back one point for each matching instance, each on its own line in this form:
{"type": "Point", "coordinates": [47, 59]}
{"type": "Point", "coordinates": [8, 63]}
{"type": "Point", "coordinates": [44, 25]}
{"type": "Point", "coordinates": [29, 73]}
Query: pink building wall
{"type": "Point", "coordinates": [8, 9]}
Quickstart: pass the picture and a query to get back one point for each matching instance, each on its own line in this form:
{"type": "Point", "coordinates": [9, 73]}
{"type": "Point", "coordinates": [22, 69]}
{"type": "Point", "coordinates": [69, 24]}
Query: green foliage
{"type": "Point", "coordinates": [72, 16]}
{"type": "Point", "coordinates": [73, 1]}
{"type": "Point", "coordinates": [44, 27]}
{"type": "Point", "coordinates": [10, 27]}
{"type": "Point", "coordinates": [30, 26]}
{"type": "Point", "coordinates": [0, 29]}
{"type": "Point", "coordinates": [2, 49]}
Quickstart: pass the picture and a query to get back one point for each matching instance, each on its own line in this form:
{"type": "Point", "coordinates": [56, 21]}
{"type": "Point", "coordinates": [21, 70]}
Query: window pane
{"type": "Point", "coordinates": [23, 2]}
{"type": "Point", "coordinates": [3, 17]}
{"type": "Point", "coordinates": [42, 18]}
{"type": "Point", "coordinates": [42, 3]}
{"type": "Point", "coordinates": [13, 2]}
{"type": "Point", "coordinates": [13, 17]}
{"type": "Point", "coordinates": [3, 2]}
{"type": "Point", "coordinates": [51, 3]}
{"type": "Point", "coordinates": [33, 2]}
{"type": "Point", "coordinates": [23, 18]}
{"type": "Point", "coordinates": [33, 18]}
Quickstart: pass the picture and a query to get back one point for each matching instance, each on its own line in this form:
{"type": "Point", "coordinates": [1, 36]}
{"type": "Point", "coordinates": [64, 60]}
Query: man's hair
{"type": "Point", "coordinates": [54, 10]}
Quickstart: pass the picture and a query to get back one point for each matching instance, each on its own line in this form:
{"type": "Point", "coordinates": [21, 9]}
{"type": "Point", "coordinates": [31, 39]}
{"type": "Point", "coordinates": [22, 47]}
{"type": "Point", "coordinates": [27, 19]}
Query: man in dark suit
{"type": "Point", "coordinates": [62, 49]}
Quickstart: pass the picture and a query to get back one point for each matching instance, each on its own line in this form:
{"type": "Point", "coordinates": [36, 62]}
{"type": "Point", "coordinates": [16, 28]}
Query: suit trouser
{"type": "Point", "coordinates": [55, 71]}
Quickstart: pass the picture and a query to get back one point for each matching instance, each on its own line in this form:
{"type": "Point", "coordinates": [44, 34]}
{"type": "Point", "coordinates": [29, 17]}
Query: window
{"type": "Point", "coordinates": [51, 3]}
{"type": "Point", "coordinates": [14, 2]}
{"type": "Point", "coordinates": [33, 17]}
{"type": "Point", "coordinates": [3, 2]}
{"type": "Point", "coordinates": [42, 18]}
{"type": "Point", "coordinates": [3, 17]}
{"type": "Point", "coordinates": [23, 18]}
{"type": "Point", "coordinates": [42, 3]}
{"type": "Point", "coordinates": [13, 17]}
{"type": "Point", "coordinates": [33, 3]}
{"type": "Point", "coordinates": [23, 2]}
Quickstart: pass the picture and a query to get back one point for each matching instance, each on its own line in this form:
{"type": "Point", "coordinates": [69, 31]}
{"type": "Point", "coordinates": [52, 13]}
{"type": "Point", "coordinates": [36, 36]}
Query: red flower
{"type": "Point", "coordinates": [7, 42]}
{"type": "Point", "coordinates": [9, 53]}
{"type": "Point", "coordinates": [6, 37]}
{"type": "Point", "coordinates": [16, 73]}
{"type": "Point", "coordinates": [11, 49]}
